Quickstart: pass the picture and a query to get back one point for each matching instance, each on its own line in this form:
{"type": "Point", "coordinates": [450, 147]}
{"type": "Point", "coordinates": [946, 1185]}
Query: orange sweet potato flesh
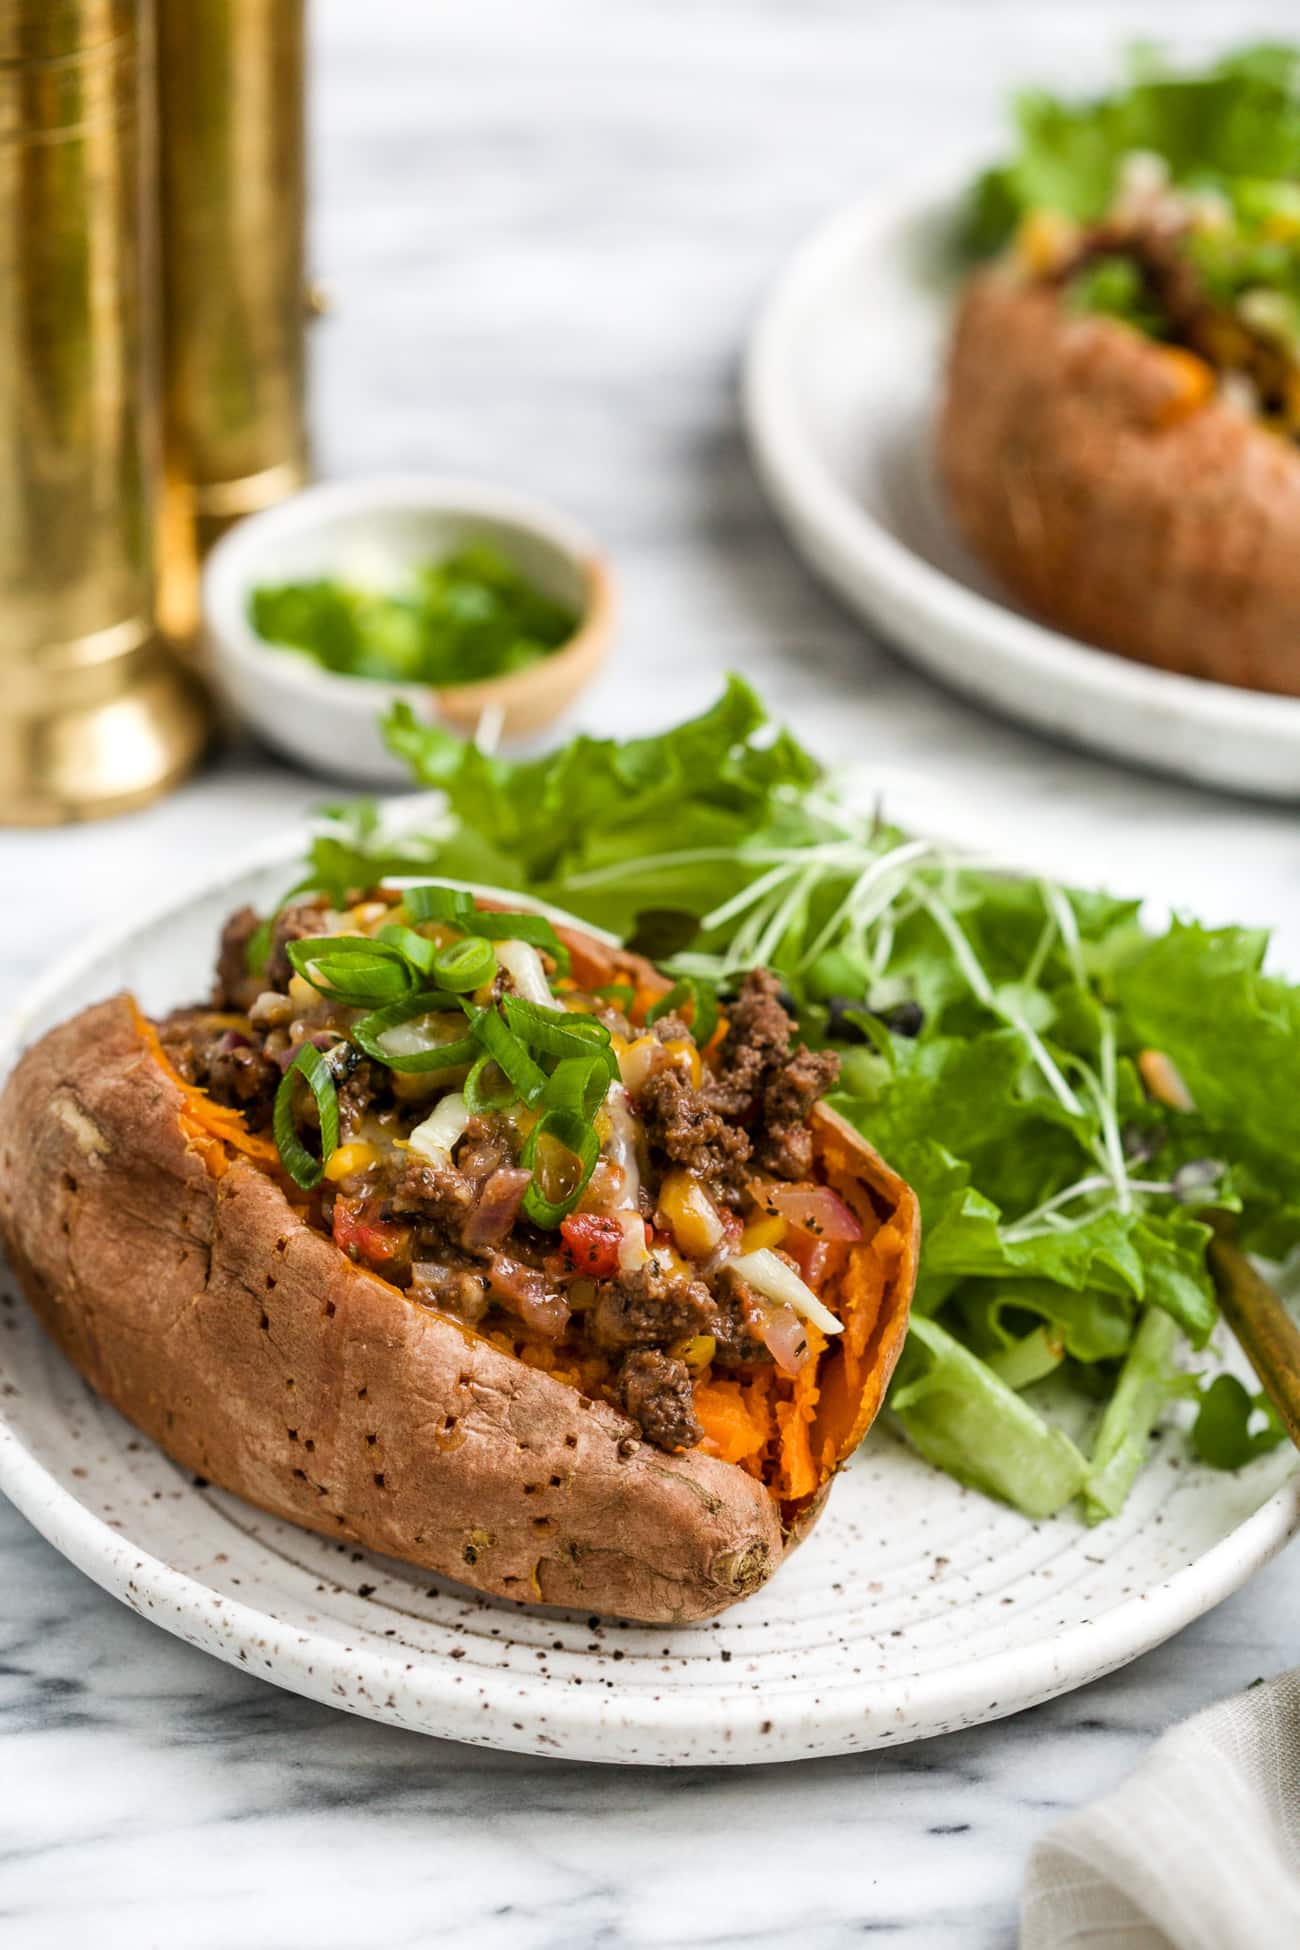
{"type": "Point", "coordinates": [1113, 492]}
{"type": "Point", "coordinates": [170, 1266]}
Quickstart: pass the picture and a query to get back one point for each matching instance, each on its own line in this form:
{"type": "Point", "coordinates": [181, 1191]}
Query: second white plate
{"type": "Point", "coordinates": [841, 386]}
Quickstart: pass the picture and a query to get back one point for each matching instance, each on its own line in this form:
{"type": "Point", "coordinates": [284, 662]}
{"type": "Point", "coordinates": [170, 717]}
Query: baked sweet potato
{"type": "Point", "coordinates": [188, 1280]}
{"type": "Point", "coordinates": [1116, 492]}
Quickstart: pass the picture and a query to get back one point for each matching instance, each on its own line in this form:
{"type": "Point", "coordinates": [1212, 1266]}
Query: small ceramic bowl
{"type": "Point", "coordinates": [373, 532]}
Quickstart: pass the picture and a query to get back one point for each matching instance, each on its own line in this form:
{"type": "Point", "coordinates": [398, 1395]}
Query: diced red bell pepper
{"type": "Point", "coordinates": [377, 1241]}
{"type": "Point", "coordinates": [592, 1241]}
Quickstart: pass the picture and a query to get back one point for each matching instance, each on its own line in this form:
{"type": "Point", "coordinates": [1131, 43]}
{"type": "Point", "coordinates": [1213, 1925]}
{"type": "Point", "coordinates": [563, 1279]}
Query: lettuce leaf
{"type": "Point", "coordinates": [542, 824]}
{"type": "Point", "coordinates": [1238, 119]}
{"type": "Point", "coordinates": [1147, 1382]}
{"type": "Point", "coordinates": [1232, 1032]}
{"type": "Point", "coordinates": [955, 1410]}
{"type": "Point", "coordinates": [1223, 1434]}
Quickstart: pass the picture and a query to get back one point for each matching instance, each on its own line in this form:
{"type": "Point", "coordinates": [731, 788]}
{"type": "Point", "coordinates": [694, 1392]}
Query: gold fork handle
{"type": "Point", "coordinates": [1262, 1324]}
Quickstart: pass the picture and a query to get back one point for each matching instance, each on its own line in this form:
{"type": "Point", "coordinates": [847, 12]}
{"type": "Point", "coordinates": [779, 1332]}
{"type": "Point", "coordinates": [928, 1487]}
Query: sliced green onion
{"type": "Point", "coordinates": [351, 968]}
{"type": "Point", "coordinates": [370, 1032]}
{"type": "Point", "coordinates": [302, 1167]}
{"type": "Point", "coordinates": [508, 1053]}
{"type": "Point", "coordinates": [481, 1095]}
{"type": "Point", "coordinates": [465, 965]}
{"type": "Point", "coordinates": [578, 1083]}
{"type": "Point", "coordinates": [535, 929]}
{"type": "Point", "coordinates": [557, 1032]}
{"type": "Point", "coordinates": [622, 993]}
{"type": "Point", "coordinates": [438, 904]}
{"type": "Point", "coordinates": [704, 1007]}
{"type": "Point", "coordinates": [568, 1131]}
{"type": "Point", "coordinates": [416, 949]}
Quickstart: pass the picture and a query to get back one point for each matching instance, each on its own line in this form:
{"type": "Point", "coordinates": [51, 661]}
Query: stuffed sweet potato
{"type": "Point", "coordinates": [1118, 440]}
{"type": "Point", "coordinates": [463, 1240]}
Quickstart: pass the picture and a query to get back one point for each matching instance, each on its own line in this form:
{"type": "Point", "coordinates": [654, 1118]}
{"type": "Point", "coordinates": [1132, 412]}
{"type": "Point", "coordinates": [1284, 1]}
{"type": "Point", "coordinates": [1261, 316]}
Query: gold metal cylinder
{"type": "Point", "coordinates": [95, 716]}
{"type": "Point", "coordinates": [231, 108]}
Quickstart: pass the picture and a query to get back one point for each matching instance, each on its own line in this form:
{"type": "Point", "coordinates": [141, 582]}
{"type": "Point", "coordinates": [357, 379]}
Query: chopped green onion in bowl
{"type": "Point", "coordinates": [470, 616]}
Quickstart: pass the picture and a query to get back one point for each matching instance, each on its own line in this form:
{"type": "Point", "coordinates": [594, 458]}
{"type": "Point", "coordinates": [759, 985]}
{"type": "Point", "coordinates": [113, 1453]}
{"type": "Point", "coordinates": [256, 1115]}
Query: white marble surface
{"type": "Point", "coordinates": [545, 229]}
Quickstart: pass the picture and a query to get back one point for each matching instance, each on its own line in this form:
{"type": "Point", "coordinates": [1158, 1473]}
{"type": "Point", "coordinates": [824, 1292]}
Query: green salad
{"type": "Point", "coordinates": [1000, 1038]}
{"type": "Point", "coordinates": [1171, 203]}
{"type": "Point", "coordinates": [470, 616]}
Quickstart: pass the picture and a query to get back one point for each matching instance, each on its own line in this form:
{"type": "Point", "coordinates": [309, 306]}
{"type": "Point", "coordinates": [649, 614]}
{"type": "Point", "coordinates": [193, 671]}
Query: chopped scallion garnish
{"type": "Point", "coordinates": [559, 1032]}
{"type": "Point", "coordinates": [438, 904]}
{"type": "Point", "coordinates": [373, 1034]}
{"type": "Point", "coordinates": [352, 969]}
{"type": "Point", "coordinates": [578, 1083]}
{"type": "Point", "coordinates": [487, 1088]}
{"type": "Point", "coordinates": [500, 1042]}
{"type": "Point", "coordinates": [561, 1152]}
{"type": "Point", "coordinates": [302, 1167]}
{"type": "Point", "coordinates": [416, 948]}
{"type": "Point", "coordinates": [465, 966]}
{"type": "Point", "coordinates": [535, 929]}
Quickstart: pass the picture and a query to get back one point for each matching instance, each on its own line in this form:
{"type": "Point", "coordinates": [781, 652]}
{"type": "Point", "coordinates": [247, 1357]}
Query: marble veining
{"type": "Point", "coordinates": [544, 231]}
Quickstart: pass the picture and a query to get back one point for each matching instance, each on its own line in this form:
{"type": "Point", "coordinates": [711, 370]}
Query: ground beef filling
{"type": "Point", "coordinates": [752, 1108]}
{"type": "Point", "coordinates": [454, 1233]}
{"type": "Point", "coordinates": [206, 1050]}
{"type": "Point", "coordinates": [655, 1390]}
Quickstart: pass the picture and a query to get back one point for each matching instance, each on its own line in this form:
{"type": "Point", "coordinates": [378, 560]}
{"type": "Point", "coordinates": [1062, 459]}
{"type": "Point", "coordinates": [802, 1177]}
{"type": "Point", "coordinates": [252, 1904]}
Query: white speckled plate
{"type": "Point", "coordinates": [841, 385]}
{"type": "Point", "coordinates": [915, 1607]}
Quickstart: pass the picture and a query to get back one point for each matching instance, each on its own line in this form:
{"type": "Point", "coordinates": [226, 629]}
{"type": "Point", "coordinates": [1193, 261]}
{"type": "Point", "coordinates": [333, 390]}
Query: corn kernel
{"type": "Point", "coordinates": [636, 1061]}
{"type": "Point", "coordinates": [415, 1086]}
{"type": "Point", "coordinates": [667, 1258]}
{"type": "Point", "coordinates": [368, 915]}
{"type": "Point", "coordinates": [1044, 241]}
{"type": "Point", "coordinates": [302, 994]}
{"type": "Point", "coordinates": [769, 1230]}
{"type": "Point", "coordinates": [696, 1350]}
{"type": "Point", "coordinates": [690, 1214]}
{"type": "Point", "coordinates": [349, 1158]}
{"type": "Point", "coordinates": [685, 1055]}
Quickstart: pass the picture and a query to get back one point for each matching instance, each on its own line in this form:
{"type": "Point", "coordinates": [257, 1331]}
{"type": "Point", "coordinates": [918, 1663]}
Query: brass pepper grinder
{"type": "Point", "coordinates": [95, 716]}
{"type": "Point", "coordinates": [231, 111]}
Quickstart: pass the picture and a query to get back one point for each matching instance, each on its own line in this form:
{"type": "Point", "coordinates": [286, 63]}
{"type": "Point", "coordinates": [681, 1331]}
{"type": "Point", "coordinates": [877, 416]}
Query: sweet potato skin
{"type": "Point", "coordinates": [213, 1317]}
{"type": "Point", "coordinates": [1109, 488]}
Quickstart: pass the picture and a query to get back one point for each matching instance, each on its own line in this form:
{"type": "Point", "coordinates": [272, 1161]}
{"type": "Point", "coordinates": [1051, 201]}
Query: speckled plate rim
{"type": "Point", "coordinates": [1247, 741]}
{"type": "Point", "coordinates": [363, 1679]}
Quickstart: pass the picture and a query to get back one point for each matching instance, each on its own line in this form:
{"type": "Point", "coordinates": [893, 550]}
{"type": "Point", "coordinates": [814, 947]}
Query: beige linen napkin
{"type": "Point", "coordinates": [1198, 1850]}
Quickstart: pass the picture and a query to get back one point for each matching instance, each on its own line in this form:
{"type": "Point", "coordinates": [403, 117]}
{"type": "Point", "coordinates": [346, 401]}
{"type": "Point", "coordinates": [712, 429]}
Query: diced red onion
{"type": "Point", "coordinates": [497, 1208]}
{"type": "Point", "coordinates": [814, 1208]}
{"type": "Point", "coordinates": [784, 1336]}
{"type": "Point", "coordinates": [522, 1291]}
